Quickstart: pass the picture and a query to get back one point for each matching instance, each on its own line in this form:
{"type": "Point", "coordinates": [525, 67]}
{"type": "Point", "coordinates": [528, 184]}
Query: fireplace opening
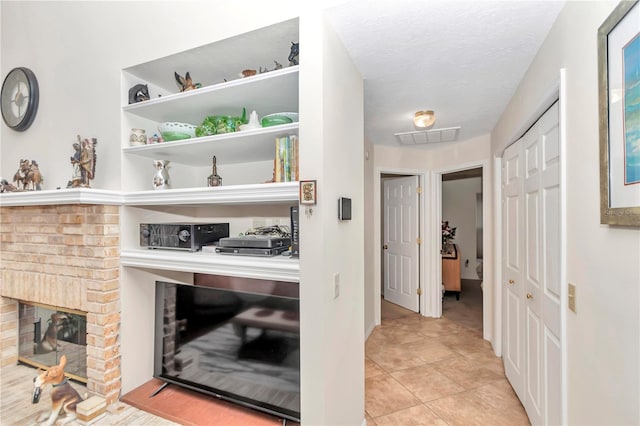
{"type": "Point", "coordinates": [48, 332]}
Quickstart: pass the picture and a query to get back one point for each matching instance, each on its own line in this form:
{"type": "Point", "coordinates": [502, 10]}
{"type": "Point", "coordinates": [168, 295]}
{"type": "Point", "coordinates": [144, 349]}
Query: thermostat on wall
{"type": "Point", "coordinates": [344, 208]}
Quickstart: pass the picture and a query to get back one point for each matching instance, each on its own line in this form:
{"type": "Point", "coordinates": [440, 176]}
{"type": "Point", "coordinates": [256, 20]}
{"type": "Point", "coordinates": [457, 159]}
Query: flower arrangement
{"type": "Point", "coordinates": [448, 234]}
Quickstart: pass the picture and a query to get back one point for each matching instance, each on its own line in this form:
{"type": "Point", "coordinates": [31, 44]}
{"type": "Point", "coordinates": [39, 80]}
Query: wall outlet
{"type": "Point", "coordinates": [571, 297]}
{"type": "Point", "coordinates": [336, 285]}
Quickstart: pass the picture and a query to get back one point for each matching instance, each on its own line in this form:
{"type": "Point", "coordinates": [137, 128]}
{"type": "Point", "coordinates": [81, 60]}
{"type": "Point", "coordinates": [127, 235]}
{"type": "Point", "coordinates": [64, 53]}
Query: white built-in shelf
{"type": "Point", "coordinates": [246, 146]}
{"type": "Point", "coordinates": [268, 193]}
{"type": "Point", "coordinates": [264, 193]}
{"type": "Point", "coordinates": [278, 268]}
{"type": "Point", "coordinates": [61, 196]}
{"type": "Point", "coordinates": [267, 93]}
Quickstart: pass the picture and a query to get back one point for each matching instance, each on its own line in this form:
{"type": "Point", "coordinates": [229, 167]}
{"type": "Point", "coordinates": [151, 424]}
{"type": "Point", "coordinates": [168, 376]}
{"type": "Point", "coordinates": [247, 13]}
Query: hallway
{"type": "Point", "coordinates": [427, 371]}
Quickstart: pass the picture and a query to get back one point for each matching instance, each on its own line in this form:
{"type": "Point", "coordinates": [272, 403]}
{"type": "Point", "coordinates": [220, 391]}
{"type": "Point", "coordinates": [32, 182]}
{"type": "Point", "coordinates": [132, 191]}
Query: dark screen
{"type": "Point", "coordinates": [240, 345]}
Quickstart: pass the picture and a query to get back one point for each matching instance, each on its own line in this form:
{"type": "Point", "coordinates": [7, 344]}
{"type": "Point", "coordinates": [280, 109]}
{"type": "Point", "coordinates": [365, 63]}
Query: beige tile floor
{"type": "Point", "coordinates": [426, 371]}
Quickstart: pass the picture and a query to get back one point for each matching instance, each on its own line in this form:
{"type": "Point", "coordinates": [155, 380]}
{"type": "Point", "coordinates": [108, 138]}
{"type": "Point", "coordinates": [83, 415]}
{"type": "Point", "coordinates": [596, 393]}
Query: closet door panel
{"type": "Point", "coordinates": [531, 269]}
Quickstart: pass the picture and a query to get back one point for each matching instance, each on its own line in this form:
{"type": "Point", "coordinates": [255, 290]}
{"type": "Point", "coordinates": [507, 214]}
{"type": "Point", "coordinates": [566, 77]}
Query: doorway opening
{"type": "Point", "coordinates": [462, 242]}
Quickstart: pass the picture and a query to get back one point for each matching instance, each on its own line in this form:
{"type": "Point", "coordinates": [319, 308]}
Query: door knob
{"type": "Point", "coordinates": [511, 282]}
{"type": "Point", "coordinates": [385, 247]}
{"type": "Point", "coordinates": [529, 296]}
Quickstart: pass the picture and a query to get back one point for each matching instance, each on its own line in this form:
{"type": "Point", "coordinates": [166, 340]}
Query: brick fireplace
{"type": "Point", "coordinates": [65, 256]}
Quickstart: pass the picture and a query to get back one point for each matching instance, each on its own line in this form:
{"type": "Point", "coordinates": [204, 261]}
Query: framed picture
{"type": "Point", "coordinates": [449, 252]}
{"type": "Point", "coordinates": [619, 92]}
{"type": "Point", "coordinates": [307, 192]}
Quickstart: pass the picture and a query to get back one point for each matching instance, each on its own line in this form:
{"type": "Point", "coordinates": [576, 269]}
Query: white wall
{"type": "Point", "coordinates": [459, 208]}
{"type": "Point", "coordinates": [369, 275]}
{"type": "Point", "coordinates": [331, 152]}
{"type": "Point", "coordinates": [430, 161]}
{"type": "Point", "coordinates": [603, 343]}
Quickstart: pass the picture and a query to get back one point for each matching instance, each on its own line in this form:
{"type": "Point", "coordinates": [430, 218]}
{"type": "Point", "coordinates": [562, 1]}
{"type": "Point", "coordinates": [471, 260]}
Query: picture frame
{"type": "Point", "coordinates": [308, 192]}
{"type": "Point", "coordinates": [450, 252]}
{"type": "Point", "coordinates": [619, 115]}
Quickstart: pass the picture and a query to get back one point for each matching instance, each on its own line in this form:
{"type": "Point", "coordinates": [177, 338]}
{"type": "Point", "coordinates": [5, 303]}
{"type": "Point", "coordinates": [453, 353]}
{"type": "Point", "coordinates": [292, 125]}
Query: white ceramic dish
{"type": "Point", "coordinates": [172, 131]}
{"type": "Point", "coordinates": [294, 116]}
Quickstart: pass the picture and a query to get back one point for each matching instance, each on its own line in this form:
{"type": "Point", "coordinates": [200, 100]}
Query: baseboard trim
{"type": "Point", "coordinates": [367, 333]}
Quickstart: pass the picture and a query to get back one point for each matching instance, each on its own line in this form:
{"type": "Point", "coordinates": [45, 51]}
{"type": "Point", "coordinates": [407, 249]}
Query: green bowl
{"type": "Point", "coordinates": [174, 136]}
{"type": "Point", "coordinates": [275, 120]}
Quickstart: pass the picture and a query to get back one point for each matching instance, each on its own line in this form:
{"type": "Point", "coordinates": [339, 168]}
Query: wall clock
{"type": "Point", "coordinates": [19, 98]}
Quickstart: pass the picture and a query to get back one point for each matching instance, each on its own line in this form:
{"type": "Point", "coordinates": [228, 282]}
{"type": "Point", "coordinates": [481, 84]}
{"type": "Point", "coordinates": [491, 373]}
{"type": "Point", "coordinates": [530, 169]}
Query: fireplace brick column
{"type": "Point", "coordinates": [65, 256]}
{"type": "Point", "coordinates": [8, 331]}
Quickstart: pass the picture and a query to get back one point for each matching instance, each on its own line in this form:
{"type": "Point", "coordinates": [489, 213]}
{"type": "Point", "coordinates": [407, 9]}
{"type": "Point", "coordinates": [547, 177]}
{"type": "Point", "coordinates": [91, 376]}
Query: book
{"type": "Point", "coordinates": [277, 165]}
{"type": "Point", "coordinates": [286, 159]}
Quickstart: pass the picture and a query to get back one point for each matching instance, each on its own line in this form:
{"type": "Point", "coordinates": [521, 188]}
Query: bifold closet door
{"type": "Point", "coordinates": [531, 269]}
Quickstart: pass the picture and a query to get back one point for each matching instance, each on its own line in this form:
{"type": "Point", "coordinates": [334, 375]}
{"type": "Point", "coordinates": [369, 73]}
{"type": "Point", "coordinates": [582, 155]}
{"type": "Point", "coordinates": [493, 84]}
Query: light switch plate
{"type": "Point", "coordinates": [571, 297]}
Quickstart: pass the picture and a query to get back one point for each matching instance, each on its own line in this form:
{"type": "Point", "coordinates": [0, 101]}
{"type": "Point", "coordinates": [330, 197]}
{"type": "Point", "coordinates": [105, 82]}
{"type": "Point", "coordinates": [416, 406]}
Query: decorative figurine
{"type": "Point", "coordinates": [83, 162]}
{"type": "Point", "coordinates": [138, 93]}
{"type": "Point", "coordinates": [248, 73]}
{"type": "Point", "coordinates": [214, 179]}
{"type": "Point", "coordinates": [64, 398]}
{"type": "Point", "coordinates": [28, 176]}
{"type": "Point", "coordinates": [278, 66]}
{"type": "Point", "coordinates": [185, 83]}
{"type": "Point", "coordinates": [155, 139]}
{"type": "Point", "coordinates": [5, 186]}
{"type": "Point", "coordinates": [161, 178]}
{"type": "Point", "coordinates": [293, 55]}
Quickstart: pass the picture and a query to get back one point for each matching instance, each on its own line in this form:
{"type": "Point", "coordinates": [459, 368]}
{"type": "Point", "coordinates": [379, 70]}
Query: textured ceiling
{"type": "Point", "coordinates": [463, 59]}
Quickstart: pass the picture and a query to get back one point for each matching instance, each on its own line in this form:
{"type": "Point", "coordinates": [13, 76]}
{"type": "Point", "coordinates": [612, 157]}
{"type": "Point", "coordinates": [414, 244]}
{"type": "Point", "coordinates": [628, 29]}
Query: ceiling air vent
{"type": "Point", "coordinates": [449, 134]}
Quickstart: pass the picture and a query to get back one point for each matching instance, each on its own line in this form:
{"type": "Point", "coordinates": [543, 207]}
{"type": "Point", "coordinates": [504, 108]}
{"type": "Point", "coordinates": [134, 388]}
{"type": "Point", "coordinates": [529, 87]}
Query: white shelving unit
{"type": "Point", "coordinates": [240, 147]}
{"type": "Point", "coordinates": [267, 93]}
{"type": "Point", "coordinates": [244, 158]}
{"type": "Point", "coordinates": [269, 193]}
{"type": "Point", "coordinates": [279, 268]}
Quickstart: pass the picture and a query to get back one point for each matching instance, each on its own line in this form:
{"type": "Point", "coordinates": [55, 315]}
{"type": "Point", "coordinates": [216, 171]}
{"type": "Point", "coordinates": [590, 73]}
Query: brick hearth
{"type": "Point", "coordinates": [65, 256]}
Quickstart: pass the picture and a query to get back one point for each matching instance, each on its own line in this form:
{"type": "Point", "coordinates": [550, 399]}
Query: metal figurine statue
{"type": "Point", "coordinates": [28, 176]}
{"type": "Point", "coordinates": [83, 162]}
{"type": "Point", "coordinates": [214, 179]}
{"type": "Point", "coordinates": [293, 55]}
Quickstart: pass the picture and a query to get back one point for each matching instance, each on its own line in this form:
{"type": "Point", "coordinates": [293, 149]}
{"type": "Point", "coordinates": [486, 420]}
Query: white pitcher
{"type": "Point", "coordinates": [161, 178]}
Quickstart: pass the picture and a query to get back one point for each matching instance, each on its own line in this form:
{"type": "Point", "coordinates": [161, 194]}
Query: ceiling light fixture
{"type": "Point", "coordinates": [424, 119]}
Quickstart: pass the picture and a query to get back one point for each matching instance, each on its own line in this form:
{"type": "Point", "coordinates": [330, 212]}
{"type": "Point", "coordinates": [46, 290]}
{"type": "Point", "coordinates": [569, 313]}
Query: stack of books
{"type": "Point", "coordinates": [286, 161]}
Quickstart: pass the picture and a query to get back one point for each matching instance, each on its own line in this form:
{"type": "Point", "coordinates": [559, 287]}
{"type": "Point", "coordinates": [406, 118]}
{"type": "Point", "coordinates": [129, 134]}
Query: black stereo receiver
{"type": "Point", "coordinates": [180, 236]}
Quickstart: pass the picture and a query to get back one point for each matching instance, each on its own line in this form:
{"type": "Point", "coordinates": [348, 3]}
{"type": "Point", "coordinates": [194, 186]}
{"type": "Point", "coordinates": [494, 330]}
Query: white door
{"type": "Point", "coordinates": [400, 242]}
{"type": "Point", "coordinates": [531, 207]}
{"type": "Point", "coordinates": [512, 264]}
{"type": "Point", "coordinates": [545, 304]}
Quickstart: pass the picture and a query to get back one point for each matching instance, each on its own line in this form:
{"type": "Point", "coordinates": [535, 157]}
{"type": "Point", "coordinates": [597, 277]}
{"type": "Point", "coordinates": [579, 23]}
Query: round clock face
{"type": "Point", "coordinates": [19, 98]}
